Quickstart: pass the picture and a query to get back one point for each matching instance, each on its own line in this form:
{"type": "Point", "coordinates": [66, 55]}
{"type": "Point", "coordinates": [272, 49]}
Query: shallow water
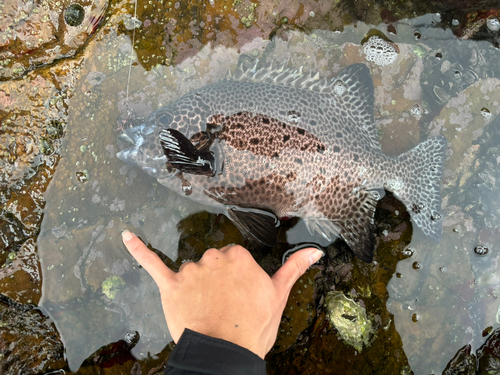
{"type": "Point", "coordinates": [435, 300]}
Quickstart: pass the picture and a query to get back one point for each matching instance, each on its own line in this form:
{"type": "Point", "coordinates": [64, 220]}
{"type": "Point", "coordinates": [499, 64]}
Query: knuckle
{"type": "Point", "coordinates": [239, 251]}
{"type": "Point", "coordinates": [300, 266]}
{"type": "Point", "coordinates": [210, 255]}
{"type": "Point", "coordinates": [186, 266]}
{"type": "Point", "coordinates": [150, 258]}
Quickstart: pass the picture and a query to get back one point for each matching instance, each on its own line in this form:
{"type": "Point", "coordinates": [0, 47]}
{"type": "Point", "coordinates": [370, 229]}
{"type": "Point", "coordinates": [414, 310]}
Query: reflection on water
{"type": "Point", "coordinates": [440, 297]}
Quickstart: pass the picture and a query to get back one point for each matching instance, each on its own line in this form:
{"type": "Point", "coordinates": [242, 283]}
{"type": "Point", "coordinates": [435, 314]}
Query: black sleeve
{"type": "Point", "coordinates": [199, 354]}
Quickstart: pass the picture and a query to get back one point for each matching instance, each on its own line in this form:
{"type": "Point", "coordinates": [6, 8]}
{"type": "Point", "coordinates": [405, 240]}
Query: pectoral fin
{"type": "Point", "coordinates": [183, 155]}
{"type": "Point", "coordinates": [258, 226]}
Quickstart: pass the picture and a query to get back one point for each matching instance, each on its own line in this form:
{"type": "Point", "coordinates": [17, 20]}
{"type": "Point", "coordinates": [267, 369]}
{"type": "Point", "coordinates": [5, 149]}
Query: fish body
{"type": "Point", "coordinates": [269, 143]}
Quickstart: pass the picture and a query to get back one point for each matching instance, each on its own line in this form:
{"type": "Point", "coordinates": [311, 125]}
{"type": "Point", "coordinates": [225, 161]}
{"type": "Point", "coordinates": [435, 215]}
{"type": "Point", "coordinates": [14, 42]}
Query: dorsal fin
{"type": "Point", "coordinates": [352, 88]}
{"type": "Point", "coordinates": [359, 95]}
{"type": "Point", "coordinates": [277, 74]}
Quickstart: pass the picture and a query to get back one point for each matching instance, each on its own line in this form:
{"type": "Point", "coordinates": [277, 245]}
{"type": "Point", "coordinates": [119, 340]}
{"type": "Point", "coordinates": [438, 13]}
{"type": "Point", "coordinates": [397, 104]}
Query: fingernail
{"type": "Point", "coordinates": [127, 235]}
{"type": "Point", "coordinates": [314, 257]}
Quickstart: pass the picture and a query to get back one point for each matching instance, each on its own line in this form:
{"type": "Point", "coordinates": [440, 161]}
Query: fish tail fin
{"type": "Point", "coordinates": [419, 185]}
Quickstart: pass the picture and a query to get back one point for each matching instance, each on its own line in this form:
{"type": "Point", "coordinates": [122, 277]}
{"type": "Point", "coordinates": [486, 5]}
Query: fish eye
{"type": "Point", "coordinates": [164, 119]}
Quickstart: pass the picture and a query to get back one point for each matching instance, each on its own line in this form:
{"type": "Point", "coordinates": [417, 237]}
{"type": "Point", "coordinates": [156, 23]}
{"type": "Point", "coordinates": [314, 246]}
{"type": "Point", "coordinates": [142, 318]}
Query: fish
{"type": "Point", "coordinates": [273, 142]}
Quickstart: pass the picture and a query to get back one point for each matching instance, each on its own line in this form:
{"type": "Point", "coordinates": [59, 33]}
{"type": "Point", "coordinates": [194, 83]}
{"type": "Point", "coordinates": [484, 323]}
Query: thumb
{"type": "Point", "coordinates": [151, 262]}
{"type": "Point", "coordinates": [293, 268]}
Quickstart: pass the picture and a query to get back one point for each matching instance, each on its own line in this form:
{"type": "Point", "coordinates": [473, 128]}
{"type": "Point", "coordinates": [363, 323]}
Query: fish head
{"type": "Point", "coordinates": [140, 145]}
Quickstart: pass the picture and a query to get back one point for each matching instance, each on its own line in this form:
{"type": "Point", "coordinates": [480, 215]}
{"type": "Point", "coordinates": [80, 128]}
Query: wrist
{"type": "Point", "coordinates": [237, 335]}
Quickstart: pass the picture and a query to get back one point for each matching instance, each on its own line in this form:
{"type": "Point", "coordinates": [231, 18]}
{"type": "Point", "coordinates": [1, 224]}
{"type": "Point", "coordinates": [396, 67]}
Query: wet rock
{"type": "Point", "coordinates": [488, 355]}
{"type": "Point", "coordinates": [20, 277]}
{"type": "Point", "coordinates": [36, 34]}
{"type": "Point", "coordinates": [464, 363]}
{"type": "Point", "coordinates": [24, 330]}
{"type": "Point", "coordinates": [12, 234]}
{"type": "Point", "coordinates": [116, 353]}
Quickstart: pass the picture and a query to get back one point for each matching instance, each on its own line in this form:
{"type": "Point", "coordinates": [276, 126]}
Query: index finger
{"type": "Point", "coordinates": [151, 262]}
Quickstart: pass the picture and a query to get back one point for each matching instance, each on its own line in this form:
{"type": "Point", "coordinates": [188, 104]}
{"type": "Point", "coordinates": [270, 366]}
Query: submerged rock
{"type": "Point", "coordinates": [464, 363]}
{"type": "Point", "coordinates": [349, 319]}
{"type": "Point", "coordinates": [488, 355]}
{"type": "Point", "coordinates": [29, 341]}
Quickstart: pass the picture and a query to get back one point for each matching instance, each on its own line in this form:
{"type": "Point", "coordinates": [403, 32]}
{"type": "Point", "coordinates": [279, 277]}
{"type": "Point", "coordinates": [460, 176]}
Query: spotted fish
{"type": "Point", "coordinates": [274, 142]}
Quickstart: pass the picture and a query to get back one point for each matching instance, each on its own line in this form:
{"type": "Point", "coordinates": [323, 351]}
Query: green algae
{"type": "Point", "coordinates": [112, 286]}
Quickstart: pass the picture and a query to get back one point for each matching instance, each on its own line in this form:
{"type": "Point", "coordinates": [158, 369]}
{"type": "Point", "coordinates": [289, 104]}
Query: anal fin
{"type": "Point", "coordinates": [258, 226]}
{"type": "Point", "coordinates": [358, 230]}
{"type": "Point", "coordinates": [353, 221]}
{"type": "Point", "coordinates": [183, 155]}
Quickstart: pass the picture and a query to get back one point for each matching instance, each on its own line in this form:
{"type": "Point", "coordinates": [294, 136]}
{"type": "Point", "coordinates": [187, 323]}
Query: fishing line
{"type": "Point", "coordinates": [134, 20]}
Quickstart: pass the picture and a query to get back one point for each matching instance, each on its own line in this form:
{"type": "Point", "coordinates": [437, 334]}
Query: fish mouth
{"type": "Point", "coordinates": [132, 152]}
{"type": "Point", "coordinates": [128, 143]}
{"type": "Point", "coordinates": [134, 136]}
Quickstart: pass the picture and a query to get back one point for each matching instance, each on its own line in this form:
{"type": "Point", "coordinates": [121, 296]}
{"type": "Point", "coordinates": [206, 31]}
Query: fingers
{"type": "Point", "coordinates": [293, 268]}
{"type": "Point", "coordinates": [184, 264]}
{"type": "Point", "coordinates": [160, 273]}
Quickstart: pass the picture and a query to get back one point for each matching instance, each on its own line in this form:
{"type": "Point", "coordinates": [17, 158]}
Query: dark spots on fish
{"type": "Point", "coordinates": [298, 161]}
{"type": "Point", "coordinates": [336, 149]}
{"type": "Point", "coordinates": [313, 122]}
{"type": "Point", "coordinates": [201, 140]}
{"type": "Point", "coordinates": [304, 102]}
{"type": "Point", "coordinates": [415, 208]}
{"type": "Point", "coordinates": [258, 193]}
{"type": "Point", "coordinates": [355, 157]}
{"type": "Point", "coordinates": [338, 135]}
{"type": "Point", "coordinates": [263, 135]}
{"type": "Point", "coordinates": [320, 111]}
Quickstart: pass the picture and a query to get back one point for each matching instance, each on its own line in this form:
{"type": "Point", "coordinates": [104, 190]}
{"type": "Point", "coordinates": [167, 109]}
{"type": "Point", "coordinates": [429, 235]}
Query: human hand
{"type": "Point", "coordinates": [226, 294]}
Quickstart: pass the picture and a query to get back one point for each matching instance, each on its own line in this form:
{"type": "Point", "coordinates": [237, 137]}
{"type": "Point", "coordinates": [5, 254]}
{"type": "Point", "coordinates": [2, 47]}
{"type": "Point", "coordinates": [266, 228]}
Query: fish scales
{"type": "Point", "coordinates": [272, 142]}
